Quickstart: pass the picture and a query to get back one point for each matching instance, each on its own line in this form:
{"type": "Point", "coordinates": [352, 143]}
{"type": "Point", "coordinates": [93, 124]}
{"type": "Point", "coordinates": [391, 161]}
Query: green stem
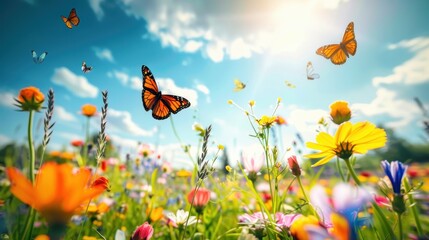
{"type": "Point", "coordinates": [305, 196]}
{"type": "Point", "coordinates": [340, 171]}
{"type": "Point", "coordinates": [29, 224]}
{"type": "Point", "coordinates": [32, 213]}
{"type": "Point", "coordinates": [352, 172]}
{"type": "Point", "coordinates": [400, 226]}
{"type": "Point", "coordinates": [85, 145]}
{"type": "Point", "coordinates": [414, 208]}
{"type": "Point", "coordinates": [31, 147]}
{"type": "Point", "coordinates": [190, 209]}
{"type": "Point", "coordinates": [180, 141]}
{"type": "Point", "coordinates": [384, 221]}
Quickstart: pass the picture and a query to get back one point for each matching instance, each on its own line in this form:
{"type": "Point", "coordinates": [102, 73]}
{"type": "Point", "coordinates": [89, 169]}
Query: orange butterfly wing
{"type": "Point", "coordinates": [150, 93]}
{"type": "Point", "coordinates": [349, 42]}
{"type": "Point", "coordinates": [162, 105]}
{"type": "Point", "coordinates": [338, 53]}
{"type": "Point", "coordinates": [72, 19]}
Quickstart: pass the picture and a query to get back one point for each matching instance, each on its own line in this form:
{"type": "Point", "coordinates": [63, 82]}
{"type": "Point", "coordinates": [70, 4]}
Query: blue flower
{"type": "Point", "coordinates": [395, 171]}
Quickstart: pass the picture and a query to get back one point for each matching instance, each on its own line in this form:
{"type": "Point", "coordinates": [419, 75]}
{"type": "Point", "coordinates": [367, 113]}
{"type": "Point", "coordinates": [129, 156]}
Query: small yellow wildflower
{"type": "Point", "coordinates": [228, 168]}
{"type": "Point", "coordinates": [252, 103]}
{"type": "Point", "coordinates": [220, 147]}
{"type": "Point", "coordinates": [230, 101]}
{"type": "Point", "coordinates": [266, 121]}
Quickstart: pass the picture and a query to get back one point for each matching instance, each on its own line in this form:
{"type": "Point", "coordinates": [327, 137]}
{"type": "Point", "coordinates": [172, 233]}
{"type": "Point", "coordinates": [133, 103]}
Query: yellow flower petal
{"type": "Point", "coordinates": [324, 160]}
{"type": "Point", "coordinates": [343, 132]}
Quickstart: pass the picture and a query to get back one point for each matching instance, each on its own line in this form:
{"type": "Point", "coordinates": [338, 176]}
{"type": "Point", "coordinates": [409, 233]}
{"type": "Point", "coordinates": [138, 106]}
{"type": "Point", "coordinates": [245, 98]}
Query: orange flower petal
{"type": "Point", "coordinates": [21, 187]}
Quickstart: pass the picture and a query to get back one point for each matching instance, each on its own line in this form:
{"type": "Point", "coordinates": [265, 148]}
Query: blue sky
{"type": "Point", "coordinates": [195, 49]}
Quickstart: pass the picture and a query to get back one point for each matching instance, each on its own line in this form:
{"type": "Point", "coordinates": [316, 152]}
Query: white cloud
{"type": "Point", "coordinates": [4, 140]}
{"type": "Point", "coordinates": [96, 7]}
{"type": "Point", "coordinates": [306, 120]}
{"type": "Point", "coordinates": [125, 143]}
{"type": "Point", "coordinates": [413, 71]}
{"type": "Point", "coordinates": [192, 46]}
{"type": "Point", "coordinates": [121, 121]}
{"type": "Point", "coordinates": [133, 82]}
{"type": "Point", "coordinates": [235, 30]}
{"type": "Point", "coordinates": [121, 76]}
{"type": "Point", "coordinates": [104, 54]}
{"type": "Point", "coordinates": [203, 88]}
{"type": "Point", "coordinates": [78, 85]}
{"type": "Point", "coordinates": [62, 114]}
{"type": "Point", "coordinates": [387, 103]}
{"type": "Point", "coordinates": [7, 99]}
{"type": "Point", "coordinates": [168, 86]}
{"type": "Point", "coordinates": [136, 83]}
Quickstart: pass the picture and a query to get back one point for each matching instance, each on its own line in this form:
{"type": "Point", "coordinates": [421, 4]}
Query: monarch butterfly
{"type": "Point", "coordinates": [161, 105]}
{"type": "Point", "coordinates": [289, 84]}
{"type": "Point", "coordinates": [238, 85]}
{"type": "Point", "coordinates": [72, 19]}
{"type": "Point", "coordinates": [338, 53]}
{"type": "Point", "coordinates": [310, 72]}
{"type": "Point", "coordinates": [85, 69]}
{"type": "Point", "coordinates": [38, 59]}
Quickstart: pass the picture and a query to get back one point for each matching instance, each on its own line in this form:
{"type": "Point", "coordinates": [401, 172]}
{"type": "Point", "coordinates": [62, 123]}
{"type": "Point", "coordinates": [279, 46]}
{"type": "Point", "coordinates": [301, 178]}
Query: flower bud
{"type": "Point", "coordinates": [294, 166]}
{"type": "Point", "coordinates": [30, 98]}
{"type": "Point", "coordinates": [340, 112]}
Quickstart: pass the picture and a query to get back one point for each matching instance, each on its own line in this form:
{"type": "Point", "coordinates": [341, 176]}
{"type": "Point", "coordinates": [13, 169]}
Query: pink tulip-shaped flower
{"type": "Point", "coordinates": [143, 232]}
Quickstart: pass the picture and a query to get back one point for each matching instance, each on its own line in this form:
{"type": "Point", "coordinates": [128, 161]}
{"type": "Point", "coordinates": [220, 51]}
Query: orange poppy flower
{"type": "Point", "coordinates": [89, 110]}
{"type": "Point", "coordinates": [30, 98]}
{"type": "Point", "coordinates": [58, 191]}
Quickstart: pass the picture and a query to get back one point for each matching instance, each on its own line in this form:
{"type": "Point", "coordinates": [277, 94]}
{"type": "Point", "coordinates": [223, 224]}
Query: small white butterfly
{"type": "Point", "coordinates": [310, 72]}
{"type": "Point", "coordinates": [38, 59]}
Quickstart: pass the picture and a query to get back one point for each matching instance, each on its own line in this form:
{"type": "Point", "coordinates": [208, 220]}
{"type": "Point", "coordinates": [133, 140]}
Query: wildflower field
{"type": "Point", "coordinates": [87, 194]}
{"type": "Point", "coordinates": [267, 121]}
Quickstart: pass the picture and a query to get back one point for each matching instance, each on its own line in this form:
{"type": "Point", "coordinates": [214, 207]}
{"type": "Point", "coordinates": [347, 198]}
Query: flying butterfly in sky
{"type": "Point", "coordinates": [338, 53]}
{"type": "Point", "coordinates": [162, 105]}
{"type": "Point", "coordinates": [72, 19]}
{"type": "Point", "coordinates": [289, 84]}
{"type": "Point", "coordinates": [310, 72]}
{"type": "Point", "coordinates": [238, 85]}
{"type": "Point", "coordinates": [38, 59]}
{"type": "Point", "coordinates": [85, 68]}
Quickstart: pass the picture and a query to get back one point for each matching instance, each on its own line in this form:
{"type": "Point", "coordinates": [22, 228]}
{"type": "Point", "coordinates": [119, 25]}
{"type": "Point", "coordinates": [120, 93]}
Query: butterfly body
{"type": "Point", "coordinates": [38, 59]}
{"type": "Point", "coordinates": [72, 19]}
{"type": "Point", "coordinates": [338, 53]}
{"type": "Point", "coordinates": [162, 105]}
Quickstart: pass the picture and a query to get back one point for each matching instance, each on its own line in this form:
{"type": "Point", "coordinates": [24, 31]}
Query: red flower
{"type": "Point", "coordinates": [77, 143]}
{"type": "Point", "coordinates": [101, 182]}
{"type": "Point", "coordinates": [143, 232]}
{"type": "Point", "coordinates": [202, 197]}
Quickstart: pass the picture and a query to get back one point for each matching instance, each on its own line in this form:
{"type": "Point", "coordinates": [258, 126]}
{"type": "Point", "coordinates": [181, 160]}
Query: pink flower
{"type": "Point", "coordinates": [143, 232]}
{"type": "Point", "coordinates": [251, 165]}
{"type": "Point", "coordinates": [285, 220]}
{"type": "Point", "coordinates": [294, 166]}
{"type": "Point", "coordinates": [202, 197]}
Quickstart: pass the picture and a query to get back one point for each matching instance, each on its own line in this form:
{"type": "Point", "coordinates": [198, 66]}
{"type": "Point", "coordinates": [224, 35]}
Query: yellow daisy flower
{"type": "Point", "coordinates": [349, 138]}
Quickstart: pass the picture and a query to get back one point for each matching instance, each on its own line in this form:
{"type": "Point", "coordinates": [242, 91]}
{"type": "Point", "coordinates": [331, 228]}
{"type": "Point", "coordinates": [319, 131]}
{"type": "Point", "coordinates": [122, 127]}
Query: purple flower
{"type": "Point", "coordinates": [395, 171]}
